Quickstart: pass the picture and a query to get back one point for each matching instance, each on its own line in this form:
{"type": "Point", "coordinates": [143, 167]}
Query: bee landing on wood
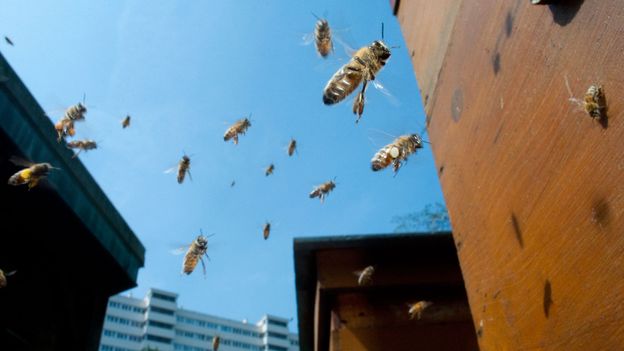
{"type": "Point", "coordinates": [365, 276]}
{"type": "Point", "coordinates": [323, 190]}
{"type": "Point", "coordinates": [416, 309]}
{"type": "Point", "coordinates": [30, 175]}
{"type": "Point", "coordinates": [238, 128]}
{"type": "Point", "coordinates": [195, 254]}
{"type": "Point", "coordinates": [82, 145]}
{"type": "Point", "coordinates": [266, 231]}
{"type": "Point", "coordinates": [594, 101]}
{"type": "Point", "coordinates": [396, 152]}
{"type": "Point", "coordinates": [362, 68]}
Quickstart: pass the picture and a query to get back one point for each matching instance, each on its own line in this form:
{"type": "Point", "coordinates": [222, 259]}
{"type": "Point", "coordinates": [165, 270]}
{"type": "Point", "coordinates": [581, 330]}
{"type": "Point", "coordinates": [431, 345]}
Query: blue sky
{"type": "Point", "coordinates": [184, 70]}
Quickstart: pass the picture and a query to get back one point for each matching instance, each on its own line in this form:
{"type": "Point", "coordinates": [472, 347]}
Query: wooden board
{"type": "Point", "coordinates": [534, 186]}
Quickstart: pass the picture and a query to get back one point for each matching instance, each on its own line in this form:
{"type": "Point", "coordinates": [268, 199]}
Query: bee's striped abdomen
{"type": "Point", "coordinates": [342, 84]}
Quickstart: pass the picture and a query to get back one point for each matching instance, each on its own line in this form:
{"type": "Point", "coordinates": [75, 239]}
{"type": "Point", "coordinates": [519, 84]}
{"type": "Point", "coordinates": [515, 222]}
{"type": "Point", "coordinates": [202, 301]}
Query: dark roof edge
{"type": "Point", "coordinates": [35, 137]}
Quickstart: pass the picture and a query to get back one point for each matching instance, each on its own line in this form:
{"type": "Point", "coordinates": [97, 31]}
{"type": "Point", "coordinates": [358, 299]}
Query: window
{"type": "Point", "coordinates": [278, 335]}
{"type": "Point", "coordinates": [160, 325]}
{"type": "Point", "coordinates": [281, 324]}
{"type": "Point", "coordinates": [163, 297]}
{"type": "Point", "coordinates": [157, 338]}
{"type": "Point", "coordinates": [161, 310]}
{"type": "Point", "coordinates": [277, 348]}
{"type": "Point", "coordinates": [122, 336]}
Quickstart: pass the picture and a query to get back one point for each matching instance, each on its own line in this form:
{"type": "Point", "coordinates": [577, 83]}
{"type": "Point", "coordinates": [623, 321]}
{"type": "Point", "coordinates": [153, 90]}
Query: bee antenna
{"type": "Point", "coordinates": [382, 31]}
{"type": "Point", "coordinates": [395, 47]}
{"type": "Point", "coordinates": [317, 17]}
{"type": "Point", "coordinates": [84, 97]}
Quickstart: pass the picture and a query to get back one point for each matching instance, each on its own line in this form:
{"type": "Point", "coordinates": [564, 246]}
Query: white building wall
{"type": "Point", "coordinates": [156, 321]}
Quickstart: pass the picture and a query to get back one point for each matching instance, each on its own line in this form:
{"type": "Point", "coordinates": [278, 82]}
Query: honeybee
{"type": "Point", "coordinates": [266, 231]}
{"type": "Point", "coordinates": [292, 147]}
{"type": "Point", "coordinates": [365, 276]}
{"type": "Point", "coordinates": [269, 170]}
{"type": "Point", "coordinates": [594, 102]}
{"type": "Point", "coordinates": [322, 37]}
{"type": "Point", "coordinates": [8, 40]}
{"type": "Point", "coordinates": [82, 145]}
{"type": "Point", "coordinates": [3, 277]}
{"type": "Point", "coordinates": [416, 309]}
{"type": "Point", "coordinates": [184, 167]}
{"type": "Point", "coordinates": [363, 66]}
{"type": "Point", "coordinates": [30, 175]}
{"type": "Point", "coordinates": [196, 251]}
{"type": "Point", "coordinates": [216, 340]}
{"type": "Point", "coordinates": [125, 123]}
{"type": "Point", "coordinates": [396, 152]}
{"type": "Point", "coordinates": [64, 127]}
{"type": "Point", "coordinates": [323, 190]}
{"type": "Point", "coordinates": [232, 184]}
{"type": "Point", "coordinates": [239, 127]}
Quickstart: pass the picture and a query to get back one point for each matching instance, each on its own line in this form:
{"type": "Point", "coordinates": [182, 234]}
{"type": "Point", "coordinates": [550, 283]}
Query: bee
{"type": "Point", "coordinates": [322, 37]}
{"type": "Point", "coordinates": [363, 67]}
{"type": "Point", "coordinates": [75, 113]}
{"type": "Point", "coordinates": [323, 190]}
{"type": "Point", "coordinates": [594, 102]}
{"type": "Point", "coordinates": [365, 276]}
{"type": "Point", "coordinates": [30, 175]}
{"type": "Point", "coordinates": [82, 145]}
{"type": "Point", "coordinates": [232, 184]}
{"type": "Point", "coordinates": [416, 309]}
{"type": "Point", "coordinates": [64, 127]}
{"type": "Point", "coordinates": [396, 152]}
{"type": "Point", "coordinates": [266, 231]}
{"type": "Point", "coordinates": [196, 252]}
{"type": "Point", "coordinates": [292, 147]}
{"type": "Point", "coordinates": [125, 123]}
{"type": "Point", "coordinates": [239, 127]}
{"type": "Point", "coordinates": [8, 40]}
{"type": "Point", "coordinates": [184, 167]}
{"type": "Point", "coordinates": [216, 340]}
{"type": "Point", "coordinates": [3, 278]}
{"type": "Point", "coordinates": [269, 170]}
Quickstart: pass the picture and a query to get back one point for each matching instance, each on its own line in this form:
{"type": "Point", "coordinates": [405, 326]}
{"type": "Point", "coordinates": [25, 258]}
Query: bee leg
{"type": "Point", "coordinates": [188, 171]}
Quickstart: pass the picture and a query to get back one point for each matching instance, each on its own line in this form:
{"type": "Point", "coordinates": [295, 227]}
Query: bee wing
{"type": "Point", "coordinates": [171, 170]}
{"type": "Point", "coordinates": [393, 100]}
{"type": "Point", "coordinates": [10, 273]}
{"type": "Point", "coordinates": [18, 161]}
{"type": "Point", "coordinates": [350, 51]}
{"type": "Point", "coordinates": [178, 251]}
{"type": "Point", "coordinates": [307, 39]}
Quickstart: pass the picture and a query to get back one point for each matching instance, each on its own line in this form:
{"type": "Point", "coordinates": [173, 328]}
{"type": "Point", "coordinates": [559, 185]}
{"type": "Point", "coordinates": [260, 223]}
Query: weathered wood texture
{"type": "Point", "coordinates": [534, 186]}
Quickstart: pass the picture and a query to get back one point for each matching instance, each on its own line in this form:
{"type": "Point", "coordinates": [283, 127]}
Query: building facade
{"type": "Point", "coordinates": [157, 323]}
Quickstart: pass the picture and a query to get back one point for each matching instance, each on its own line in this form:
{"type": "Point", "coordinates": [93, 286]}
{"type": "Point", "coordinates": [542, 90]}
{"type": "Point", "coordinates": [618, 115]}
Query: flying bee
{"type": "Point", "coordinates": [323, 190]}
{"type": "Point", "coordinates": [82, 145]}
{"type": "Point", "coordinates": [216, 340]}
{"type": "Point", "coordinates": [125, 123]}
{"type": "Point", "coordinates": [322, 37]}
{"type": "Point", "coordinates": [365, 276]}
{"type": "Point", "coordinates": [8, 40]}
{"type": "Point", "coordinates": [239, 127]}
{"type": "Point", "coordinates": [363, 67]}
{"type": "Point", "coordinates": [64, 127]}
{"type": "Point", "coordinates": [76, 112]}
{"type": "Point", "coordinates": [269, 170]}
{"type": "Point", "coordinates": [232, 184]}
{"type": "Point", "coordinates": [396, 152]}
{"type": "Point", "coordinates": [196, 251]}
{"type": "Point", "coordinates": [30, 175]}
{"type": "Point", "coordinates": [416, 309]}
{"type": "Point", "coordinates": [184, 167]}
{"type": "Point", "coordinates": [292, 147]}
{"type": "Point", "coordinates": [266, 231]}
{"type": "Point", "coordinates": [3, 277]}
